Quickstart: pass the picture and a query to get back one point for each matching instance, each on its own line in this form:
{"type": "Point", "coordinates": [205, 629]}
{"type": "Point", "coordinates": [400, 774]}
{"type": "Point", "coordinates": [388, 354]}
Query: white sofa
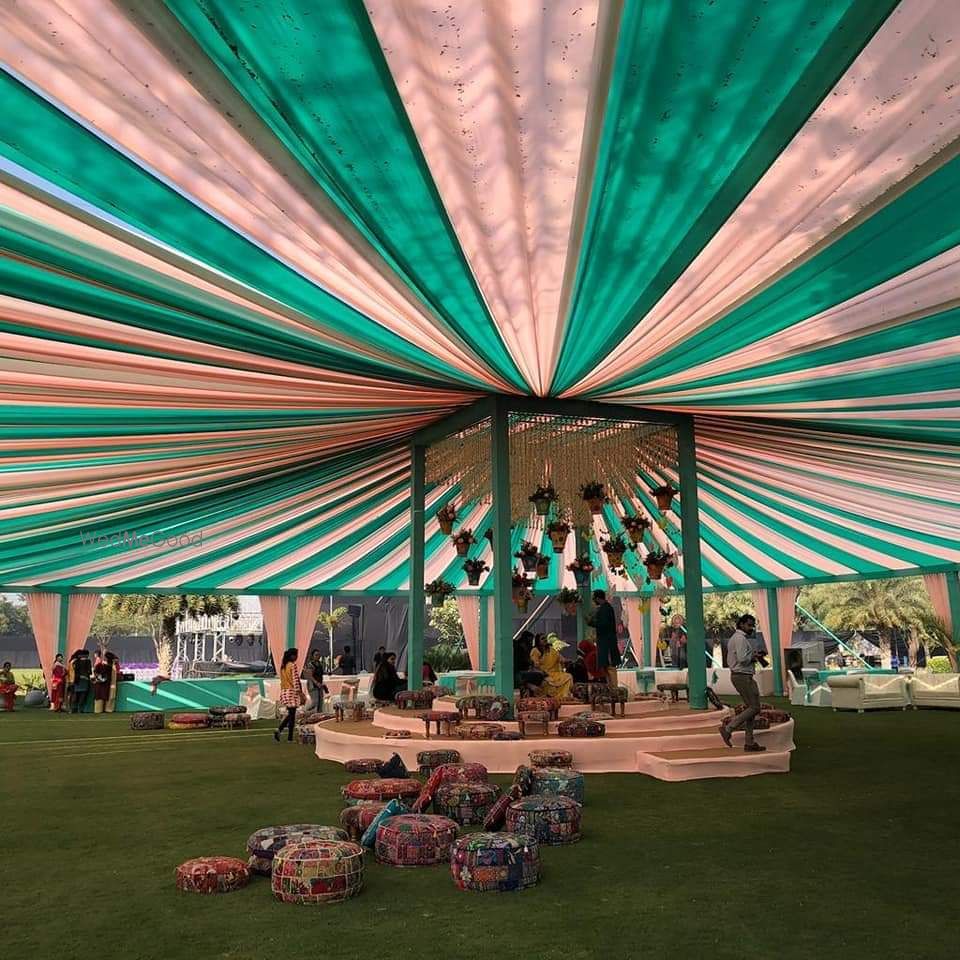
{"type": "Point", "coordinates": [935, 690]}
{"type": "Point", "coordinates": [864, 692]}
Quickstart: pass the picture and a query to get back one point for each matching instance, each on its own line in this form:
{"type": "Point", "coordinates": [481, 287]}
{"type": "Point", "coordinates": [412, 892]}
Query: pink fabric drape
{"type": "Point", "coordinates": [307, 610]}
{"type": "Point", "coordinates": [763, 613]}
{"type": "Point", "coordinates": [80, 613]}
{"type": "Point", "coordinates": [786, 604]}
{"type": "Point", "coordinates": [470, 617]}
{"type": "Point", "coordinates": [44, 611]}
{"type": "Point", "coordinates": [936, 584]}
{"type": "Point", "coordinates": [274, 611]}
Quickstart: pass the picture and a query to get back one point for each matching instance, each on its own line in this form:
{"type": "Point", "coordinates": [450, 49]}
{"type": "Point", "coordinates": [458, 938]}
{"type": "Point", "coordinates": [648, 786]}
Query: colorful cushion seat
{"type": "Point", "coordinates": [775, 716]}
{"type": "Point", "coordinates": [561, 781]}
{"type": "Point", "coordinates": [397, 734]}
{"type": "Point", "coordinates": [356, 819]}
{"type": "Point", "coordinates": [317, 871]}
{"type": "Point", "coordinates": [222, 711]}
{"type": "Point", "coordinates": [462, 772]}
{"type": "Point", "coordinates": [392, 809]}
{"type": "Point", "coordinates": [507, 735]}
{"type": "Point", "coordinates": [551, 820]}
{"type": "Point", "coordinates": [212, 875]}
{"type": "Point", "coordinates": [600, 715]}
{"type": "Point", "coordinates": [415, 840]}
{"type": "Point", "coordinates": [578, 727]}
{"type": "Point", "coordinates": [478, 731]}
{"type": "Point", "coordinates": [385, 789]}
{"type": "Point", "coordinates": [306, 736]}
{"type": "Point", "coordinates": [263, 844]}
{"type": "Point", "coordinates": [551, 758]}
{"type": "Point", "coordinates": [523, 778]}
{"type": "Point", "coordinates": [497, 814]}
{"type": "Point", "coordinates": [188, 721]}
{"type": "Point", "coordinates": [429, 760]}
{"type": "Point", "coordinates": [312, 716]}
{"type": "Point", "coordinates": [466, 802]}
{"type": "Point", "coordinates": [230, 721]}
{"type": "Point", "coordinates": [406, 699]}
{"type": "Point", "coordinates": [528, 704]}
{"type": "Point", "coordinates": [476, 702]}
{"type": "Point", "coordinates": [496, 708]}
{"type": "Point", "coordinates": [764, 707]}
{"type": "Point", "coordinates": [147, 720]}
{"type": "Point", "coordinates": [495, 862]}
{"type": "Point", "coordinates": [760, 722]}
{"type": "Point", "coordinates": [363, 765]}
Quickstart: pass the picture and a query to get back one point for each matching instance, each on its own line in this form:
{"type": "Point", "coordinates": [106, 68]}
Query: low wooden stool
{"type": "Point", "coordinates": [615, 696]}
{"type": "Point", "coordinates": [445, 719]}
{"type": "Point", "coordinates": [674, 690]}
{"type": "Point", "coordinates": [534, 717]}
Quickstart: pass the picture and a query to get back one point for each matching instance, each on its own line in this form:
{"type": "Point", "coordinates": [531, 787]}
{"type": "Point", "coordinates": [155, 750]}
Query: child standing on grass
{"type": "Point", "coordinates": [8, 687]}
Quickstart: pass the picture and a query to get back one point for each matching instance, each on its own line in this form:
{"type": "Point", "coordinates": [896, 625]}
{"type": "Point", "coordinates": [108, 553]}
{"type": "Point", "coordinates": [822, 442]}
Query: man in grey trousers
{"type": "Point", "coordinates": [741, 658]}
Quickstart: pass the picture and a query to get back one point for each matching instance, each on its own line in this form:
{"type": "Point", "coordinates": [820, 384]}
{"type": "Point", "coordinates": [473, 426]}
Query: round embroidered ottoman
{"type": "Point", "coordinates": [560, 781]}
{"type": "Point", "coordinates": [356, 819]}
{"type": "Point", "coordinates": [386, 789]}
{"type": "Point", "coordinates": [317, 871]}
{"type": "Point", "coordinates": [429, 760]}
{"type": "Point", "coordinates": [764, 707]}
{"type": "Point", "coordinates": [461, 773]}
{"type": "Point", "coordinates": [495, 862]}
{"type": "Point", "coordinates": [306, 736]}
{"type": "Point", "coordinates": [397, 734]}
{"type": "Point", "coordinates": [478, 731]}
{"type": "Point", "coordinates": [551, 758]}
{"type": "Point", "coordinates": [148, 720]}
{"type": "Point", "coordinates": [230, 721]}
{"type": "Point", "coordinates": [479, 704]}
{"type": "Point", "coordinates": [188, 721]}
{"type": "Point", "coordinates": [227, 709]}
{"type": "Point", "coordinates": [551, 820]}
{"type": "Point", "coordinates": [577, 727]}
{"type": "Point", "coordinates": [415, 840]}
{"type": "Point", "coordinates": [264, 843]}
{"type": "Point", "coordinates": [466, 802]}
{"type": "Point", "coordinates": [535, 704]}
{"type": "Point", "coordinates": [760, 722]}
{"type": "Point", "coordinates": [415, 699]}
{"type": "Point", "coordinates": [507, 735]}
{"type": "Point", "coordinates": [212, 875]}
{"type": "Point", "coordinates": [363, 765]}
{"type": "Point", "coordinates": [775, 716]}
{"type": "Point", "coordinates": [310, 717]}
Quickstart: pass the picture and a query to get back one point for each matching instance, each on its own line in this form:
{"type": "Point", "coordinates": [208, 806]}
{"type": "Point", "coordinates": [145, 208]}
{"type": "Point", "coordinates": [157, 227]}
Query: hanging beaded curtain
{"type": "Point", "coordinates": [564, 452]}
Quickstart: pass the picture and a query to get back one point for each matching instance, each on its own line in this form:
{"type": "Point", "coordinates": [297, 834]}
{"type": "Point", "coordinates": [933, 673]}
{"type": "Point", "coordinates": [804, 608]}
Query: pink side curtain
{"type": "Point", "coordinates": [655, 623]}
{"type": "Point", "coordinates": [470, 617]}
{"type": "Point", "coordinates": [936, 584]}
{"type": "Point", "coordinates": [274, 610]}
{"type": "Point", "coordinates": [307, 610]}
{"type": "Point", "coordinates": [80, 614]}
{"type": "Point", "coordinates": [786, 604]}
{"type": "Point", "coordinates": [45, 619]}
{"type": "Point", "coordinates": [763, 613]}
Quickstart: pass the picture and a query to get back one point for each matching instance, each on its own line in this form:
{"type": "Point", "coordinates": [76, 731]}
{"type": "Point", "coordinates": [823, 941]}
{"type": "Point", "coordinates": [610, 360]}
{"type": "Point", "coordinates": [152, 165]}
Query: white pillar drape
{"type": "Point", "coordinates": [470, 617]}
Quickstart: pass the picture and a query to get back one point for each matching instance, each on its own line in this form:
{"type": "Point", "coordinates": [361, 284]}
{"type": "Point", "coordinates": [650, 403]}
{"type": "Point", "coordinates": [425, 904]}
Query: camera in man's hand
{"type": "Point", "coordinates": [761, 658]}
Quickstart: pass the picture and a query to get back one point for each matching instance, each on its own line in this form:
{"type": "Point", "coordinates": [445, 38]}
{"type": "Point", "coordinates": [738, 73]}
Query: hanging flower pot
{"type": "Point", "coordinates": [520, 585]}
{"type": "Point", "coordinates": [475, 569]}
{"type": "Point", "coordinates": [635, 527]}
{"type": "Point", "coordinates": [446, 517]}
{"type": "Point", "coordinates": [568, 600]}
{"type": "Point", "coordinates": [655, 562]}
{"type": "Point", "coordinates": [614, 548]}
{"type": "Point", "coordinates": [523, 601]}
{"type": "Point", "coordinates": [463, 539]}
{"type": "Point", "coordinates": [438, 591]}
{"type": "Point", "coordinates": [594, 495]}
{"type": "Point", "coordinates": [558, 531]}
{"type": "Point", "coordinates": [542, 498]}
{"type": "Point", "coordinates": [527, 555]}
{"type": "Point", "coordinates": [581, 568]}
{"type": "Point", "coordinates": [664, 496]}
{"type": "Point", "coordinates": [543, 566]}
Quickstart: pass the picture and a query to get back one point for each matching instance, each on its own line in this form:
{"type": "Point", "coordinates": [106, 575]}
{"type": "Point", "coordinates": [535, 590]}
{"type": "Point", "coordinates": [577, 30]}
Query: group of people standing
{"type": "Point", "coordinates": [72, 683]}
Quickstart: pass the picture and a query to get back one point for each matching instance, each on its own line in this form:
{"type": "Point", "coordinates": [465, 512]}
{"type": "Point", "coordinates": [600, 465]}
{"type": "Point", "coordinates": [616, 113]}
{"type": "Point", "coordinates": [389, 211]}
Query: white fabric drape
{"type": "Point", "coordinates": [274, 611]}
{"type": "Point", "coordinates": [44, 611]}
{"type": "Point", "coordinates": [763, 615]}
{"type": "Point", "coordinates": [80, 613]}
{"type": "Point", "coordinates": [470, 617]}
{"type": "Point", "coordinates": [307, 609]}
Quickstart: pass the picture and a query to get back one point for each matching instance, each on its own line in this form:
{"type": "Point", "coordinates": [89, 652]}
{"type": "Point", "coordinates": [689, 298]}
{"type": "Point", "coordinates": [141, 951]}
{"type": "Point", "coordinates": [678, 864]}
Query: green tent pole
{"type": "Point", "coordinates": [291, 625]}
{"type": "Point", "coordinates": [583, 546]}
{"type": "Point", "coordinates": [692, 573]}
{"type": "Point", "coordinates": [63, 624]}
{"type": "Point", "coordinates": [502, 562]}
{"type": "Point", "coordinates": [415, 600]}
{"type": "Point", "coordinates": [646, 640]}
{"type": "Point", "coordinates": [776, 655]}
{"type": "Point", "coordinates": [484, 659]}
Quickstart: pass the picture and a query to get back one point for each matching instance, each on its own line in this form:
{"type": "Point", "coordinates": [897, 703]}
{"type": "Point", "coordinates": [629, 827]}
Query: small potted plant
{"type": "Point", "coordinates": [664, 495]}
{"type": "Point", "coordinates": [594, 495]}
{"type": "Point", "coordinates": [520, 584]}
{"type": "Point", "coordinates": [475, 569]}
{"type": "Point", "coordinates": [522, 600]}
{"type": "Point", "coordinates": [615, 548]}
{"type": "Point", "coordinates": [463, 539]}
{"type": "Point", "coordinates": [438, 591]}
{"type": "Point", "coordinates": [636, 527]}
{"type": "Point", "coordinates": [568, 599]}
{"type": "Point", "coordinates": [527, 555]}
{"type": "Point", "coordinates": [542, 498]}
{"type": "Point", "coordinates": [543, 566]}
{"type": "Point", "coordinates": [558, 531]}
{"type": "Point", "coordinates": [446, 517]}
{"type": "Point", "coordinates": [655, 561]}
{"type": "Point", "coordinates": [581, 568]}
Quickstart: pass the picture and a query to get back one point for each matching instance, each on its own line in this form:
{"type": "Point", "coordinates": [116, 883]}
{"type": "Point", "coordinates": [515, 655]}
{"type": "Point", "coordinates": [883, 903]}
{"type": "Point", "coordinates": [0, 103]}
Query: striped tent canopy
{"type": "Point", "coordinates": [248, 247]}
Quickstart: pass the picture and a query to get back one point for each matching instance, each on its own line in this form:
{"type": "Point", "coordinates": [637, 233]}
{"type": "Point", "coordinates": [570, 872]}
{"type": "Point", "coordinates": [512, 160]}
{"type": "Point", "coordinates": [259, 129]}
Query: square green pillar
{"type": "Point", "coordinates": [692, 572]}
{"type": "Point", "coordinates": [502, 559]}
{"type": "Point", "coordinates": [415, 599]}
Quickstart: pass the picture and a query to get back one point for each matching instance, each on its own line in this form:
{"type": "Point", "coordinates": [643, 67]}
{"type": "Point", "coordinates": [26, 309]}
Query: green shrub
{"type": "Point", "coordinates": [939, 665]}
{"type": "Point", "coordinates": [447, 656]}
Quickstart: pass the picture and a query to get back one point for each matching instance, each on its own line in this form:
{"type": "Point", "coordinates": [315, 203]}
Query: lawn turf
{"type": "Point", "coordinates": [853, 854]}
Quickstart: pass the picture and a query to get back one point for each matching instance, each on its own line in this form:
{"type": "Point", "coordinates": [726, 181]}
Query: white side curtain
{"type": "Point", "coordinates": [763, 615]}
{"type": "Point", "coordinates": [307, 610]}
{"type": "Point", "coordinates": [470, 617]}
{"type": "Point", "coordinates": [81, 611]}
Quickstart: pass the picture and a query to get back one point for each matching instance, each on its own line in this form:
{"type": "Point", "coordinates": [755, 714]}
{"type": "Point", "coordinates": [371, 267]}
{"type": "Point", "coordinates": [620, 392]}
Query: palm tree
{"type": "Point", "coordinates": [330, 621]}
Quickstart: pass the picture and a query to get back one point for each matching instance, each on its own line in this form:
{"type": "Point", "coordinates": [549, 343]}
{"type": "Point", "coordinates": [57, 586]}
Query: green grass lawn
{"type": "Point", "coordinates": [853, 854]}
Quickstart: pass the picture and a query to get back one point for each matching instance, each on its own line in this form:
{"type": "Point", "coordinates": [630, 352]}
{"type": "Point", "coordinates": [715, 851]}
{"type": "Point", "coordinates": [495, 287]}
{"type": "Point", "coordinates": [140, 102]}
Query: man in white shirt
{"type": "Point", "coordinates": [741, 658]}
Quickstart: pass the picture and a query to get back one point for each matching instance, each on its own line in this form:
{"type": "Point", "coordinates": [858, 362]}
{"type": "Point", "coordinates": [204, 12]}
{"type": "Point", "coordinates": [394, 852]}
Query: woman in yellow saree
{"type": "Point", "coordinates": [545, 657]}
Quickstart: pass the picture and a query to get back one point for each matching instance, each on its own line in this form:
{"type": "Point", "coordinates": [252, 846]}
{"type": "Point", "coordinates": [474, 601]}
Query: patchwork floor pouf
{"type": "Point", "coordinates": [495, 862]}
{"type": "Point", "coordinates": [466, 802]}
{"type": "Point", "coordinates": [551, 820]}
{"type": "Point", "coordinates": [306, 736]}
{"type": "Point", "coordinates": [415, 699]}
{"type": "Point", "coordinates": [222, 711]}
{"type": "Point", "coordinates": [600, 715]}
{"type": "Point", "coordinates": [148, 720]}
{"type": "Point", "coordinates": [551, 758]}
{"type": "Point", "coordinates": [479, 706]}
{"type": "Point", "coordinates": [308, 717]}
{"type": "Point", "coordinates": [263, 844]}
{"type": "Point", "coordinates": [429, 760]}
{"type": "Point", "coordinates": [560, 781]}
{"type": "Point", "coordinates": [230, 721]}
{"type": "Point", "coordinates": [363, 765]}
{"type": "Point", "coordinates": [444, 719]}
{"type": "Point", "coordinates": [212, 875]}
{"type": "Point", "coordinates": [578, 727]}
{"type": "Point", "coordinates": [317, 871]}
{"type": "Point", "coordinates": [385, 789]}
{"type": "Point", "coordinates": [478, 731]}
{"type": "Point", "coordinates": [397, 735]}
{"type": "Point", "coordinates": [774, 717]}
{"type": "Point", "coordinates": [356, 819]}
{"type": "Point", "coordinates": [188, 721]}
{"type": "Point", "coordinates": [461, 773]}
{"type": "Point", "coordinates": [528, 704]}
{"type": "Point", "coordinates": [508, 735]}
{"type": "Point", "coordinates": [415, 840]}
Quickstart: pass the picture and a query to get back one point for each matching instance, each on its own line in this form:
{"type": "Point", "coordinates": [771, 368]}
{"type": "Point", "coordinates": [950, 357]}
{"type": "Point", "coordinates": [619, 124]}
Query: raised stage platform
{"type": "Point", "coordinates": [137, 695]}
{"type": "Point", "coordinates": [666, 741]}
